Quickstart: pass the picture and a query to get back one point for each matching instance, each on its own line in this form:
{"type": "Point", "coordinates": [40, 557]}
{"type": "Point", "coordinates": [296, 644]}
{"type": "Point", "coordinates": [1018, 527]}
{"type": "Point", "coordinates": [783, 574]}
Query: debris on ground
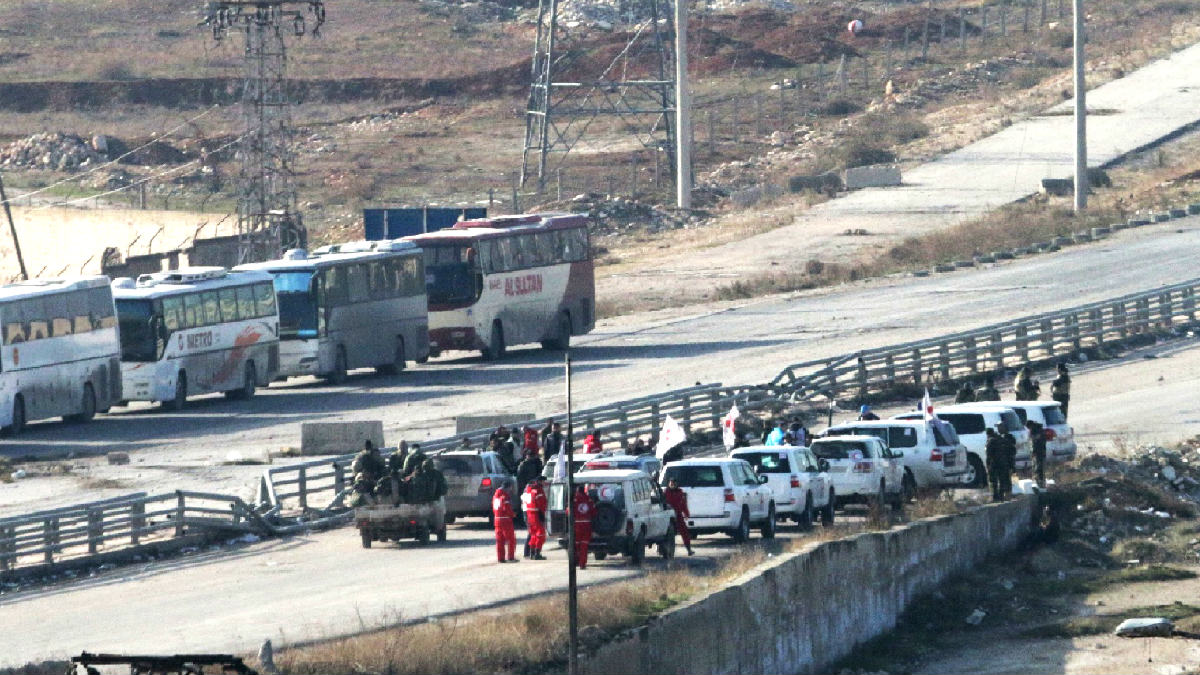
{"type": "Point", "coordinates": [1149, 627]}
{"type": "Point", "coordinates": [52, 150]}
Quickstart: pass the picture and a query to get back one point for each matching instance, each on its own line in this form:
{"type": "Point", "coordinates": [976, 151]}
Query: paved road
{"type": "Point", "coordinates": [325, 584]}
{"type": "Point", "coordinates": [1130, 113]}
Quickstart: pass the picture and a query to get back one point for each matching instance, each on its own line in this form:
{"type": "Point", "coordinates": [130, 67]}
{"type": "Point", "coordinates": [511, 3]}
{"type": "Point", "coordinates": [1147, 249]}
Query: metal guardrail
{"type": "Point", "coordinates": [990, 349]}
{"type": "Point", "coordinates": [88, 529]}
{"type": "Point", "coordinates": [328, 479]}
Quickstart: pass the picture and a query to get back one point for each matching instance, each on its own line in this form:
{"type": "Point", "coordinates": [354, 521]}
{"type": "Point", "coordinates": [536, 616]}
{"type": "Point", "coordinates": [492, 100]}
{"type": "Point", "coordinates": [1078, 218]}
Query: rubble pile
{"type": "Point", "coordinates": [54, 151]}
{"type": "Point", "coordinates": [611, 214]}
{"type": "Point", "coordinates": [1173, 470]}
{"type": "Point", "coordinates": [967, 78]}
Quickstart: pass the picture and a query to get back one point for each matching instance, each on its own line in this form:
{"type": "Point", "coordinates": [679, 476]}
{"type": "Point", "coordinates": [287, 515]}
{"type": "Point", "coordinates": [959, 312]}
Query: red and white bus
{"type": "Point", "coordinates": [508, 281]}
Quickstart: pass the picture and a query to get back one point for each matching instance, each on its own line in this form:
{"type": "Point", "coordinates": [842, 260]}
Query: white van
{"type": "Point", "coordinates": [931, 454]}
{"type": "Point", "coordinates": [971, 421]}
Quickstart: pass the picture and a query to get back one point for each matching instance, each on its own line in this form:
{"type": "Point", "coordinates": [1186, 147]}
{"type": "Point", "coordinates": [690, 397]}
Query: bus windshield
{"type": "Point", "coordinates": [297, 304]}
{"type": "Point", "coordinates": [136, 321]}
{"type": "Point", "coordinates": [449, 275]}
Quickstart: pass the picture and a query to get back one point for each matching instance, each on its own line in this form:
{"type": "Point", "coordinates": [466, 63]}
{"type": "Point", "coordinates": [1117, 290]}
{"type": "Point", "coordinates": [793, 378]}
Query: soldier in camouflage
{"type": "Point", "coordinates": [995, 462]}
{"type": "Point", "coordinates": [988, 391]}
{"type": "Point", "coordinates": [1060, 388]}
{"type": "Point", "coordinates": [966, 394]}
{"type": "Point", "coordinates": [1026, 388]}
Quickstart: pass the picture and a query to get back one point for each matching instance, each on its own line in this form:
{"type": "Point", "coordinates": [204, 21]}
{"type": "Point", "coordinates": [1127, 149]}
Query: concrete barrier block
{"type": "Point", "coordinates": [465, 423]}
{"type": "Point", "coordinates": [117, 458]}
{"type": "Point", "coordinates": [1178, 213]}
{"type": "Point", "coordinates": [1161, 217]}
{"type": "Point", "coordinates": [1138, 221]}
{"type": "Point", "coordinates": [1117, 227]}
{"type": "Point", "coordinates": [1098, 232]}
{"type": "Point", "coordinates": [944, 268]}
{"type": "Point", "coordinates": [985, 259]}
{"type": "Point", "coordinates": [871, 176]}
{"type": "Point", "coordinates": [338, 438]}
{"type": "Point", "coordinates": [1062, 241]}
{"type": "Point", "coordinates": [1059, 187]}
{"type": "Point", "coordinates": [829, 183]}
{"type": "Point", "coordinates": [1193, 209]}
{"type": "Point", "coordinates": [1003, 255]}
{"type": "Point", "coordinates": [1082, 237]}
{"type": "Point", "coordinates": [964, 263]}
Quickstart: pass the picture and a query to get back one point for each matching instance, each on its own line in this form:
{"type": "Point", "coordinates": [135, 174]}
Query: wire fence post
{"type": "Point", "coordinates": [983, 24]}
{"type": "Point", "coordinates": [962, 30]}
{"type": "Point", "coordinates": [1003, 20]}
{"type": "Point", "coordinates": [925, 34]}
{"type": "Point", "coordinates": [841, 75]}
{"type": "Point", "coordinates": [558, 183]}
{"type": "Point", "coordinates": [712, 135]}
{"type": "Point", "coordinates": [1025, 18]}
{"type": "Point", "coordinates": [759, 130]}
{"type": "Point", "coordinates": [887, 59]}
{"type": "Point", "coordinates": [866, 72]}
{"type": "Point", "coordinates": [1042, 19]}
{"type": "Point", "coordinates": [907, 37]}
{"type": "Point", "coordinates": [820, 79]}
{"type": "Point", "coordinates": [633, 168]}
{"type": "Point", "coordinates": [516, 204]}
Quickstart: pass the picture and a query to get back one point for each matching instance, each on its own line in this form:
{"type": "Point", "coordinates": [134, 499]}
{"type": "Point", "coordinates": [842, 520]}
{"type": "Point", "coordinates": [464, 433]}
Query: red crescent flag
{"type": "Point", "coordinates": [927, 407]}
{"type": "Point", "coordinates": [729, 427]}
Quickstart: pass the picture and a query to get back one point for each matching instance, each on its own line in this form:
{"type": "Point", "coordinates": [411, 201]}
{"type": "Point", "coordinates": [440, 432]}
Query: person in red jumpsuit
{"type": "Point", "coordinates": [502, 512]}
{"type": "Point", "coordinates": [677, 499]}
{"type": "Point", "coordinates": [582, 507]}
{"type": "Point", "coordinates": [534, 502]}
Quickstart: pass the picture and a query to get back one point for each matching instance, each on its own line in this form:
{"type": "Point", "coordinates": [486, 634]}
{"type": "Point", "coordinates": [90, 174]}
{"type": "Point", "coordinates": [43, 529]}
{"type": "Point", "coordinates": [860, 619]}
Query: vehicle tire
{"type": "Point", "coordinates": [18, 416]}
{"type": "Point", "coordinates": [741, 533]}
{"type": "Point", "coordinates": [181, 389]}
{"type": "Point", "coordinates": [441, 534]}
{"type": "Point", "coordinates": [340, 368]}
{"type": "Point", "coordinates": [423, 536]}
{"type": "Point", "coordinates": [666, 547]}
{"type": "Point", "coordinates": [600, 555]}
{"type": "Point", "coordinates": [638, 553]}
{"type": "Point", "coordinates": [827, 512]}
{"type": "Point", "coordinates": [976, 476]}
{"type": "Point", "coordinates": [366, 538]}
{"type": "Point", "coordinates": [494, 351]}
{"type": "Point", "coordinates": [805, 518]}
{"type": "Point", "coordinates": [491, 520]}
{"type": "Point", "coordinates": [398, 361]}
{"type": "Point", "coordinates": [908, 487]}
{"type": "Point", "coordinates": [896, 501]}
{"type": "Point", "coordinates": [249, 385]}
{"type": "Point", "coordinates": [768, 527]}
{"type": "Point", "coordinates": [87, 407]}
{"type": "Point", "coordinates": [880, 498]}
{"type": "Point", "coordinates": [562, 334]}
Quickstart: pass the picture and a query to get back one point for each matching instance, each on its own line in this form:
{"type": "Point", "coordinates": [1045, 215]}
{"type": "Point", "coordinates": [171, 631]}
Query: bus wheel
{"type": "Point", "coordinates": [249, 384]}
{"type": "Point", "coordinates": [562, 335]}
{"type": "Point", "coordinates": [397, 363]}
{"type": "Point", "coordinates": [87, 406]}
{"type": "Point", "coordinates": [338, 374]}
{"type": "Point", "coordinates": [18, 416]}
{"type": "Point", "coordinates": [180, 399]}
{"type": "Point", "coordinates": [495, 347]}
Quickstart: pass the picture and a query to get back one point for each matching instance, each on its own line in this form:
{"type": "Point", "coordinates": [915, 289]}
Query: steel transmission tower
{"type": "Point", "coordinates": [268, 219]}
{"type": "Point", "coordinates": [579, 79]}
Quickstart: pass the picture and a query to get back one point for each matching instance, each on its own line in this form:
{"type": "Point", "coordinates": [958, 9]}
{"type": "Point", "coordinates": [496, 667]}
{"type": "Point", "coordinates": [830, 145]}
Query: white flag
{"type": "Point", "coordinates": [672, 435]}
{"type": "Point", "coordinates": [729, 427]}
{"type": "Point", "coordinates": [927, 407]}
{"type": "Point", "coordinates": [560, 467]}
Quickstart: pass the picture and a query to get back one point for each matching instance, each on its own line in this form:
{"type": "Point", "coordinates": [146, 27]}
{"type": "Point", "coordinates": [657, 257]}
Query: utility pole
{"type": "Point", "coordinates": [569, 498]}
{"type": "Point", "coordinates": [12, 228]}
{"type": "Point", "coordinates": [683, 121]}
{"type": "Point", "coordinates": [1081, 177]}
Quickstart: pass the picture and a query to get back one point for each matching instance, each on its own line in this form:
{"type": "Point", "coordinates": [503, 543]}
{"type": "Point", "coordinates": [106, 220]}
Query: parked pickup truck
{"type": "Point", "coordinates": [384, 522]}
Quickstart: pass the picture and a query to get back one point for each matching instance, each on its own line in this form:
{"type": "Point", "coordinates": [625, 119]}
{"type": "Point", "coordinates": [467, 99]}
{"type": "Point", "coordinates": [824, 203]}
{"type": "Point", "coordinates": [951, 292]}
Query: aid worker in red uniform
{"type": "Point", "coordinates": [502, 512]}
{"type": "Point", "coordinates": [534, 502]}
{"type": "Point", "coordinates": [582, 507]}
{"type": "Point", "coordinates": [677, 499]}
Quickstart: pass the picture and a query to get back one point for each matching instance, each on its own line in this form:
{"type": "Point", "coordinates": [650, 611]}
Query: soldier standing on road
{"type": "Point", "coordinates": [677, 499]}
{"type": "Point", "coordinates": [415, 458]}
{"type": "Point", "coordinates": [502, 514]}
{"type": "Point", "coordinates": [533, 500]}
{"type": "Point", "coordinates": [1026, 388]}
{"type": "Point", "coordinates": [528, 470]}
{"type": "Point", "coordinates": [988, 391]}
{"type": "Point", "coordinates": [1037, 435]}
{"type": "Point", "coordinates": [1009, 442]}
{"type": "Point", "coordinates": [966, 394]}
{"type": "Point", "coordinates": [994, 448]}
{"type": "Point", "coordinates": [582, 507]}
{"type": "Point", "coordinates": [1060, 388]}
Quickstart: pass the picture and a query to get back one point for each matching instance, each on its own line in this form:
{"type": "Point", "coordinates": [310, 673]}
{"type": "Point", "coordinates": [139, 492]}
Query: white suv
{"type": "Point", "coordinates": [1060, 437]}
{"type": "Point", "coordinates": [931, 453]}
{"type": "Point", "coordinates": [631, 514]}
{"type": "Point", "coordinates": [724, 495]}
{"type": "Point", "coordinates": [862, 468]}
{"type": "Point", "coordinates": [801, 489]}
{"type": "Point", "coordinates": [971, 421]}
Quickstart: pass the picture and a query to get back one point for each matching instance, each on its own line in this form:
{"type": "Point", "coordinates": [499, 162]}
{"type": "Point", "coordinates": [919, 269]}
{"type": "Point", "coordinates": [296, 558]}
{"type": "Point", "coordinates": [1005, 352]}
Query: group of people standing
{"type": "Point", "coordinates": [783, 433]}
{"type": "Point", "coordinates": [1025, 388]}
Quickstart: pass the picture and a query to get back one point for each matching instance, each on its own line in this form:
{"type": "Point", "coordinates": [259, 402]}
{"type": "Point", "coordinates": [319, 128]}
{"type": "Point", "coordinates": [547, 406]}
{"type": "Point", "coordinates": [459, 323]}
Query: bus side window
{"type": "Point", "coordinates": [14, 333]}
{"type": "Point", "coordinates": [246, 305]}
{"type": "Point", "coordinates": [173, 313]}
{"type": "Point", "coordinates": [212, 307]}
{"type": "Point", "coordinates": [264, 293]}
{"type": "Point", "coordinates": [100, 307]}
{"type": "Point", "coordinates": [60, 326]}
{"type": "Point", "coordinates": [193, 311]}
{"type": "Point", "coordinates": [229, 305]}
{"type": "Point", "coordinates": [35, 317]}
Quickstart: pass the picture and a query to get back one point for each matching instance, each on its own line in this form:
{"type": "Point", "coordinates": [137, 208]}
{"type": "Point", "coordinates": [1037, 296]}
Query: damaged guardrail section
{"type": "Point", "coordinates": [802, 612]}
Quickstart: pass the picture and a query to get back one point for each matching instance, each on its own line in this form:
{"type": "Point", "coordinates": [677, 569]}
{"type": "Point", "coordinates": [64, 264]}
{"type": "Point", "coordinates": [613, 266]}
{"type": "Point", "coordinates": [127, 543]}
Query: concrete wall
{"type": "Point", "coordinates": [339, 438]}
{"type": "Point", "coordinates": [872, 176]}
{"type": "Point", "coordinates": [803, 612]}
{"type": "Point", "coordinates": [465, 423]}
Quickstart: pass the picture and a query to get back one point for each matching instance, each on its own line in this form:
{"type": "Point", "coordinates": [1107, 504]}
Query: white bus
{"type": "Point", "coordinates": [362, 306]}
{"type": "Point", "coordinates": [60, 354]}
{"type": "Point", "coordinates": [196, 330]}
{"type": "Point", "coordinates": [508, 281]}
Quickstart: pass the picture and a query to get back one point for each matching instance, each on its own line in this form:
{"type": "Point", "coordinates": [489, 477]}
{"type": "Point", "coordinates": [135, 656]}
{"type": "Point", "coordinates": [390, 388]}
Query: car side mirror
{"type": "Point", "coordinates": [897, 453]}
{"type": "Point", "coordinates": [762, 480]}
{"type": "Point", "coordinates": [823, 465]}
{"type": "Point", "coordinates": [812, 469]}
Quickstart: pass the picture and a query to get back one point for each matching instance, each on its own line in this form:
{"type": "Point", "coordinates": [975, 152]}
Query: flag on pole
{"type": "Point", "coordinates": [560, 468]}
{"type": "Point", "coordinates": [927, 407]}
{"type": "Point", "coordinates": [672, 435]}
{"type": "Point", "coordinates": [729, 427]}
